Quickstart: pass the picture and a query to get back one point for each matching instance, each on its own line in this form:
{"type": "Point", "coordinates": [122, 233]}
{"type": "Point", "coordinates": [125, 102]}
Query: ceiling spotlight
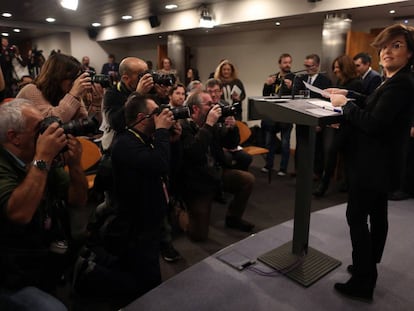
{"type": "Point", "coordinates": [50, 20]}
{"type": "Point", "coordinates": [171, 6]}
{"type": "Point", "coordinates": [277, 23]}
{"type": "Point", "coordinates": [5, 14]}
{"type": "Point", "coordinates": [96, 24]}
{"type": "Point", "coordinates": [4, 34]}
{"type": "Point", "coordinates": [206, 20]}
{"type": "Point", "coordinates": [69, 4]}
{"type": "Point", "coordinates": [392, 11]}
{"type": "Point", "coordinates": [16, 30]}
{"type": "Point", "coordinates": [126, 17]}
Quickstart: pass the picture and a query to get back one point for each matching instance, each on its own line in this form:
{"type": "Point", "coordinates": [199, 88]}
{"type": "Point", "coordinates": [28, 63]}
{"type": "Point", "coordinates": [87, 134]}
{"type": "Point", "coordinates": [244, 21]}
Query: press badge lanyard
{"type": "Point", "coordinates": [164, 186]}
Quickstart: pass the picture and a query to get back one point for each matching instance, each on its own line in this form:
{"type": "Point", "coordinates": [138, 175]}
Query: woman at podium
{"type": "Point", "coordinates": [374, 156]}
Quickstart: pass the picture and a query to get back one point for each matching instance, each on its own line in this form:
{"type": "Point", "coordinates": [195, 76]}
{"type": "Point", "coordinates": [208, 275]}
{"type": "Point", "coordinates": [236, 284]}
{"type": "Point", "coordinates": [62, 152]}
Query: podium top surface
{"type": "Point", "coordinates": [297, 111]}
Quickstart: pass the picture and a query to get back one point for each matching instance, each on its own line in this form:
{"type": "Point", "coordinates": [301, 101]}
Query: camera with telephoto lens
{"type": "Point", "coordinates": [80, 127]}
{"type": "Point", "coordinates": [104, 80]}
{"type": "Point", "coordinates": [181, 112]}
{"type": "Point", "coordinates": [160, 78]}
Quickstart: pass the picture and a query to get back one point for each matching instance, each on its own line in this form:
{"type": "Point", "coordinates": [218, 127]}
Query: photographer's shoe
{"type": "Point", "coordinates": [169, 253]}
{"type": "Point", "coordinates": [238, 224]}
{"type": "Point", "coordinates": [321, 189]}
{"type": "Point", "coordinates": [356, 289]}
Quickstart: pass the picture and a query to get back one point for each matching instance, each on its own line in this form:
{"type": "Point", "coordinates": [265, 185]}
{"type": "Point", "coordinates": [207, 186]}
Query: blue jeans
{"type": "Point", "coordinates": [270, 129]}
{"type": "Point", "coordinates": [32, 298]}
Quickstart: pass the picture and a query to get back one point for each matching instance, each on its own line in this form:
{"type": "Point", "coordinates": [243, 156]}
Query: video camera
{"type": "Point", "coordinates": [160, 78]}
{"type": "Point", "coordinates": [182, 112]}
{"type": "Point", "coordinates": [104, 80]}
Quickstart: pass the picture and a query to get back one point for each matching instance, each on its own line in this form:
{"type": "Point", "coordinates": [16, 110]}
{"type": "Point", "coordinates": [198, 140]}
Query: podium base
{"type": "Point", "coordinates": [305, 270]}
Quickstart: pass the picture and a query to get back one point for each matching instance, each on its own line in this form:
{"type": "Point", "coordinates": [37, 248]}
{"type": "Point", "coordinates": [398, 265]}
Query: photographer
{"type": "Point", "coordinates": [58, 89]}
{"type": "Point", "coordinates": [6, 66]}
{"type": "Point", "coordinates": [237, 158]}
{"type": "Point", "coordinates": [204, 170]}
{"type": "Point", "coordinates": [35, 197]}
{"type": "Point", "coordinates": [134, 78]}
{"type": "Point", "coordinates": [20, 68]}
{"type": "Point", "coordinates": [141, 162]}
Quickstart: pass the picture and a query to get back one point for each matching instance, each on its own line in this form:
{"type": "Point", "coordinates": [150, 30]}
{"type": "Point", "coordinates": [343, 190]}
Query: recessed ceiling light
{"type": "Point", "coordinates": [406, 21]}
{"type": "Point", "coordinates": [5, 14]}
{"type": "Point", "coordinates": [126, 17]}
{"type": "Point", "coordinates": [392, 11]}
{"type": "Point", "coordinates": [171, 6]}
{"type": "Point", "coordinates": [16, 30]}
{"type": "Point", "coordinates": [50, 20]}
{"type": "Point", "coordinates": [4, 34]}
{"type": "Point", "coordinates": [69, 4]}
{"type": "Point", "coordinates": [96, 24]}
{"type": "Point", "coordinates": [277, 23]}
{"type": "Point", "coordinates": [160, 37]}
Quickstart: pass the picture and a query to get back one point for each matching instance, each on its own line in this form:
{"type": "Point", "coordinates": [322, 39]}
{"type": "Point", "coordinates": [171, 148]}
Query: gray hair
{"type": "Point", "coordinates": [11, 117]}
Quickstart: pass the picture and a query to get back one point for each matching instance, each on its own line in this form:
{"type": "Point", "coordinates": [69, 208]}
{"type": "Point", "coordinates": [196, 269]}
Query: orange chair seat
{"type": "Point", "coordinates": [253, 150]}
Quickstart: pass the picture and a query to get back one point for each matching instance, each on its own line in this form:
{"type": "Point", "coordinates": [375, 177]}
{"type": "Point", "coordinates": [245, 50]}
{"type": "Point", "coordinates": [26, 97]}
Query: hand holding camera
{"type": "Point", "coordinates": [164, 119]}
{"type": "Point", "coordinates": [74, 153]}
{"type": "Point", "coordinates": [145, 83]}
{"type": "Point", "coordinates": [50, 142]}
{"type": "Point", "coordinates": [81, 84]}
{"type": "Point", "coordinates": [213, 115]}
{"type": "Point", "coordinates": [175, 131]}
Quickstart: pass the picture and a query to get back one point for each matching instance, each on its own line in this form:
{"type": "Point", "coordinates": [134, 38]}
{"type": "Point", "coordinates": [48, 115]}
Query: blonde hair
{"type": "Point", "coordinates": [217, 73]}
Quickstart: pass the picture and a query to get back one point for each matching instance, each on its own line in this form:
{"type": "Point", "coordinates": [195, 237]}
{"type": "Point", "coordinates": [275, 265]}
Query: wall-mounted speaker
{"type": "Point", "coordinates": [154, 21]}
{"type": "Point", "coordinates": [92, 33]}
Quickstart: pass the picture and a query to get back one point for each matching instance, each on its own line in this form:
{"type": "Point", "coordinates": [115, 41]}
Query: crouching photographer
{"type": "Point", "coordinates": [204, 168]}
{"type": "Point", "coordinates": [35, 244]}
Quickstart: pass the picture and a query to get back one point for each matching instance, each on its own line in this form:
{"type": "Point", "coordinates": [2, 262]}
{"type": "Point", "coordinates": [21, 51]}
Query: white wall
{"type": "Point", "coordinates": [255, 53]}
{"type": "Point", "coordinates": [82, 45]}
{"type": "Point", "coordinates": [59, 41]}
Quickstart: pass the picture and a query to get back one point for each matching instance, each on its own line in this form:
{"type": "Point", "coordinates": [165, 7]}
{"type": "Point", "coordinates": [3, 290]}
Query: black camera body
{"type": "Point", "coordinates": [104, 80]}
{"type": "Point", "coordinates": [160, 78]}
{"type": "Point", "coordinates": [80, 127]}
{"type": "Point", "coordinates": [181, 112]}
{"type": "Point", "coordinates": [228, 110]}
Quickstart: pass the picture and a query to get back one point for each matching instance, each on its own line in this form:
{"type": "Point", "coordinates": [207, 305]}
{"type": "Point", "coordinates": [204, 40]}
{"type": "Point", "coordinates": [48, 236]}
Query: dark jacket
{"type": "Point", "coordinates": [321, 81]}
{"type": "Point", "coordinates": [379, 134]}
{"type": "Point", "coordinates": [371, 82]}
{"type": "Point", "coordinates": [25, 259]}
{"type": "Point", "coordinates": [203, 156]}
{"type": "Point", "coordinates": [138, 170]}
{"type": "Point", "coordinates": [113, 103]}
{"type": "Point", "coordinates": [283, 90]}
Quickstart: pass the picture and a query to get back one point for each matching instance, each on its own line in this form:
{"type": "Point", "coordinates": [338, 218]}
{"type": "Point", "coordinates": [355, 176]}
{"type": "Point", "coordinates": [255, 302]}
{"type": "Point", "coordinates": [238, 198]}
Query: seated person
{"type": "Point", "coordinates": [35, 196]}
{"type": "Point", "coordinates": [204, 170]}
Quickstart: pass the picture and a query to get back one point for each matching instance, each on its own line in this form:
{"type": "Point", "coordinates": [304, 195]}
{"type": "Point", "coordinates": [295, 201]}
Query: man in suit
{"type": "Point", "coordinates": [314, 77]}
{"type": "Point", "coordinates": [371, 79]}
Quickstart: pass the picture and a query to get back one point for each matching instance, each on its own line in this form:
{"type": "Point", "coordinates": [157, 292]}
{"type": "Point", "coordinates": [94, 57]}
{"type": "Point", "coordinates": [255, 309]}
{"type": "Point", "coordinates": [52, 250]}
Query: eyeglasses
{"type": "Point", "coordinates": [308, 66]}
{"type": "Point", "coordinates": [214, 91]}
{"type": "Point", "coordinates": [393, 46]}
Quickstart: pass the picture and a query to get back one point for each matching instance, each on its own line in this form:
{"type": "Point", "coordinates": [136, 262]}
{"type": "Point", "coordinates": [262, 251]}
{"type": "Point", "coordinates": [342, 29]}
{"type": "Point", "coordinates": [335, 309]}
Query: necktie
{"type": "Point", "coordinates": [309, 79]}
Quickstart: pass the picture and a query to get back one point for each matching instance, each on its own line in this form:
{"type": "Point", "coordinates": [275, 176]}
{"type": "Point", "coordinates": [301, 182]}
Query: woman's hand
{"type": "Point", "coordinates": [80, 85]}
{"type": "Point", "coordinates": [338, 100]}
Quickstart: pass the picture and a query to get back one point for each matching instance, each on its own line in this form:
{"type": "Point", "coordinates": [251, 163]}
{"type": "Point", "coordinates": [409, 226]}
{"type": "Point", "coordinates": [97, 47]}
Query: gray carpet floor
{"type": "Point", "coordinates": [213, 285]}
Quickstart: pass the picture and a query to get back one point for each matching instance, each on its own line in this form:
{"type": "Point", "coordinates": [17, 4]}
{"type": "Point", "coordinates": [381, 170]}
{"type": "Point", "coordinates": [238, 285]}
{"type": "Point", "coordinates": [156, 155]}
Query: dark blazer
{"type": "Point", "coordinates": [321, 81]}
{"type": "Point", "coordinates": [371, 82]}
{"type": "Point", "coordinates": [379, 134]}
